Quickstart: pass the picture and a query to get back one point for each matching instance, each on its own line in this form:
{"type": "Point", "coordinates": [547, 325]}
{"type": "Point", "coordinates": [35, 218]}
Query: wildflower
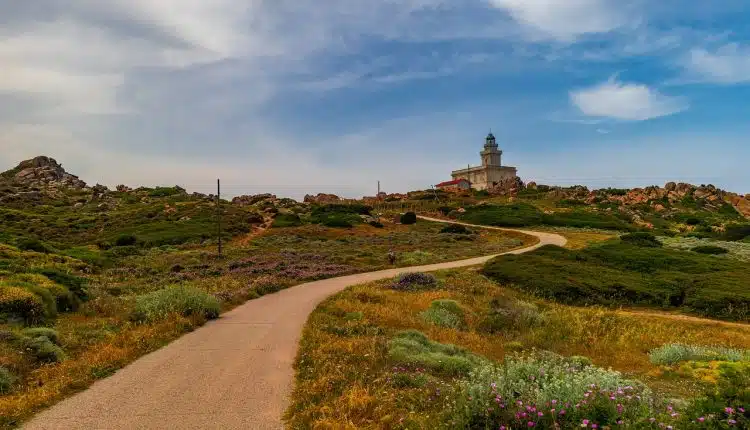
{"type": "Point", "coordinates": [585, 423]}
{"type": "Point", "coordinates": [669, 427]}
{"type": "Point", "coordinates": [503, 428]}
{"type": "Point", "coordinates": [701, 419]}
{"type": "Point", "coordinates": [652, 419]}
{"type": "Point", "coordinates": [731, 422]}
{"type": "Point", "coordinates": [729, 410]}
{"type": "Point", "coordinates": [541, 414]}
{"type": "Point", "coordinates": [742, 410]}
{"type": "Point", "coordinates": [562, 412]}
{"type": "Point", "coordinates": [673, 414]}
{"type": "Point", "coordinates": [554, 402]}
{"type": "Point", "coordinates": [531, 424]}
{"type": "Point", "coordinates": [619, 422]}
{"type": "Point", "coordinates": [594, 426]}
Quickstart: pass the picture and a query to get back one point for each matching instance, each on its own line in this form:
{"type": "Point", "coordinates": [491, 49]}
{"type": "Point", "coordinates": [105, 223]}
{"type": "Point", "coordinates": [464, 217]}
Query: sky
{"type": "Point", "coordinates": [306, 96]}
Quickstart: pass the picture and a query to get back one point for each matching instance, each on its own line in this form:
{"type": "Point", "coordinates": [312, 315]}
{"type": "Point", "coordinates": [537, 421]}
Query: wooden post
{"type": "Point", "coordinates": [218, 210]}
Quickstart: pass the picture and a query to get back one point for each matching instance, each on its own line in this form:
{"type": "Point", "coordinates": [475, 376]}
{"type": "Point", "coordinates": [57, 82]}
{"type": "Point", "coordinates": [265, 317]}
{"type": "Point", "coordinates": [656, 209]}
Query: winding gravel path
{"type": "Point", "coordinates": [233, 373]}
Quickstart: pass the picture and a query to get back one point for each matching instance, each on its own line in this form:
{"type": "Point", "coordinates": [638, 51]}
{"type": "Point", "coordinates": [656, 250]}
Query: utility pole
{"type": "Point", "coordinates": [218, 210]}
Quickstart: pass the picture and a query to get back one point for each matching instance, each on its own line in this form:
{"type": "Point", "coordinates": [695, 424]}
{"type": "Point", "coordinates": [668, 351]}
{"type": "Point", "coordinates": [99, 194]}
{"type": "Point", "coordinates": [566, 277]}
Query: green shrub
{"type": "Point", "coordinates": [165, 191]}
{"type": "Point", "coordinates": [676, 352]}
{"type": "Point", "coordinates": [43, 350]}
{"type": "Point", "coordinates": [644, 239]}
{"type": "Point", "coordinates": [183, 300]}
{"type": "Point", "coordinates": [455, 229]}
{"type": "Point", "coordinates": [409, 218]}
{"type": "Point", "coordinates": [286, 220]}
{"type": "Point", "coordinates": [337, 222]}
{"type": "Point", "coordinates": [415, 281]}
{"type": "Point", "coordinates": [7, 380]}
{"type": "Point", "coordinates": [126, 240]}
{"type": "Point", "coordinates": [445, 313]}
{"type": "Point", "coordinates": [412, 348]}
{"type": "Point", "coordinates": [497, 395]}
{"type": "Point", "coordinates": [736, 232]}
{"type": "Point", "coordinates": [710, 250]}
{"type": "Point", "coordinates": [406, 379]}
{"type": "Point", "coordinates": [122, 251]}
{"type": "Point", "coordinates": [376, 224]}
{"type": "Point", "coordinates": [506, 314]}
{"type": "Point", "coordinates": [75, 284]}
{"type": "Point", "coordinates": [49, 333]}
{"type": "Point", "coordinates": [35, 245]}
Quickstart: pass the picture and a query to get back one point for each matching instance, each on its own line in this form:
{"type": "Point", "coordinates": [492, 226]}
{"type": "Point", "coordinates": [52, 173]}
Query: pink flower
{"type": "Point", "coordinates": [531, 424]}
{"type": "Point", "coordinates": [731, 422]}
{"type": "Point", "coordinates": [728, 410]}
{"type": "Point", "coordinates": [541, 414]}
{"type": "Point", "coordinates": [701, 419]}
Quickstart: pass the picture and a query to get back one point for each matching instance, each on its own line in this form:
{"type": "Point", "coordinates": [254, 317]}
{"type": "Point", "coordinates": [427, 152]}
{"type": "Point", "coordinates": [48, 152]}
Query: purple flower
{"type": "Point", "coordinates": [731, 422]}
{"type": "Point", "coordinates": [531, 424]}
{"type": "Point", "coordinates": [729, 410]}
{"type": "Point", "coordinates": [554, 402]}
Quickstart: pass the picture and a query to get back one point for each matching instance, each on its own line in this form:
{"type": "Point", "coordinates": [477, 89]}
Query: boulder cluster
{"type": "Point", "coordinates": [40, 172]}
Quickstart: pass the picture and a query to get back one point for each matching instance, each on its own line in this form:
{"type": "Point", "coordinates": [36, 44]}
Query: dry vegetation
{"type": "Point", "coordinates": [347, 378]}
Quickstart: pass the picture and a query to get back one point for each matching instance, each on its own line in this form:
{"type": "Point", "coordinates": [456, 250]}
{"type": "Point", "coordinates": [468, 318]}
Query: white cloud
{"type": "Point", "coordinates": [729, 64]}
{"type": "Point", "coordinates": [630, 102]}
{"type": "Point", "coordinates": [565, 19]}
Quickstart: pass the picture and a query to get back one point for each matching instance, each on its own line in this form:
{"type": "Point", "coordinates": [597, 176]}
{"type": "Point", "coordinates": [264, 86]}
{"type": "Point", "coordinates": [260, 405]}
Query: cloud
{"type": "Point", "coordinates": [629, 102]}
{"type": "Point", "coordinates": [729, 64]}
{"type": "Point", "coordinates": [565, 20]}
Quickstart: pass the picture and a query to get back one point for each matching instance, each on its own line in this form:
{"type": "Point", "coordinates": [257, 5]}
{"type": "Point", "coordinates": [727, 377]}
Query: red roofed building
{"type": "Point", "coordinates": [454, 185]}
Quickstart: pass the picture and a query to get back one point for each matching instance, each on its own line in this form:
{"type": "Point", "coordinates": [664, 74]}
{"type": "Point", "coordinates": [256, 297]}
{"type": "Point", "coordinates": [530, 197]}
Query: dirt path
{"type": "Point", "coordinates": [233, 373]}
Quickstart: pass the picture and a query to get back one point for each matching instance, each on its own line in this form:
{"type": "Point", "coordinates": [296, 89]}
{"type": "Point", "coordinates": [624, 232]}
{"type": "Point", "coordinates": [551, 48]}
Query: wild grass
{"type": "Point", "coordinates": [736, 250]}
{"type": "Point", "coordinates": [676, 352]}
{"type": "Point", "coordinates": [350, 381]}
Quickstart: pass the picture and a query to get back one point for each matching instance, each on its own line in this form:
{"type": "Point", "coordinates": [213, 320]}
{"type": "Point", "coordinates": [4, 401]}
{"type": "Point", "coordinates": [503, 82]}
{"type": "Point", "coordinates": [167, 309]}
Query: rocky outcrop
{"type": "Point", "coordinates": [507, 187]}
{"type": "Point", "coordinates": [42, 172]}
{"type": "Point", "coordinates": [322, 198]}
{"type": "Point", "coordinates": [252, 199]}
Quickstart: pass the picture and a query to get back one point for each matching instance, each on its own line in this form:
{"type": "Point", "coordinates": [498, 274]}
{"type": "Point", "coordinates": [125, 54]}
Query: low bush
{"type": "Point", "coordinates": [376, 224]}
{"type": "Point", "coordinates": [415, 281]}
{"type": "Point", "coordinates": [643, 239]}
{"type": "Point", "coordinates": [507, 314]}
{"type": "Point", "coordinates": [710, 250]}
{"type": "Point", "coordinates": [43, 350]}
{"type": "Point", "coordinates": [445, 313]}
{"type": "Point", "coordinates": [75, 284]}
{"type": "Point", "coordinates": [726, 404]}
{"type": "Point", "coordinates": [676, 352]}
{"type": "Point", "coordinates": [7, 379]}
{"type": "Point", "coordinates": [455, 229]}
{"type": "Point", "coordinates": [736, 232]}
{"type": "Point", "coordinates": [546, 390]}
{"type": "Point", "coordinates": [524, 214]}
{"type": "Point", "coordinates": [49, 333]}
{"type": "Point", "coordinates": [19, 302]}
{"type": "Point", "coordinates": [413, 349]}
{"type": "Point", "coordinates": [126, 240]}
{"type": "Point", "coordinates": [181, 300]}
{"type": "Point", "coordinates": [286, 220]}
{"type": "Point", "coordinates": [35, 245]}
{"type": "Point", "coordinates": [409, 218]}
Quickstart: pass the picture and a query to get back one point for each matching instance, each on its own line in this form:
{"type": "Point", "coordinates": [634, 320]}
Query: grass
{"type": "Point", "coordinates": [736, 250]}
{"type": "Point", "coordinates": [675, 352]}
{"type": "Point", "coordinates": [622, 274]}
{"type": "Point", "coordinates": [353, 381]}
